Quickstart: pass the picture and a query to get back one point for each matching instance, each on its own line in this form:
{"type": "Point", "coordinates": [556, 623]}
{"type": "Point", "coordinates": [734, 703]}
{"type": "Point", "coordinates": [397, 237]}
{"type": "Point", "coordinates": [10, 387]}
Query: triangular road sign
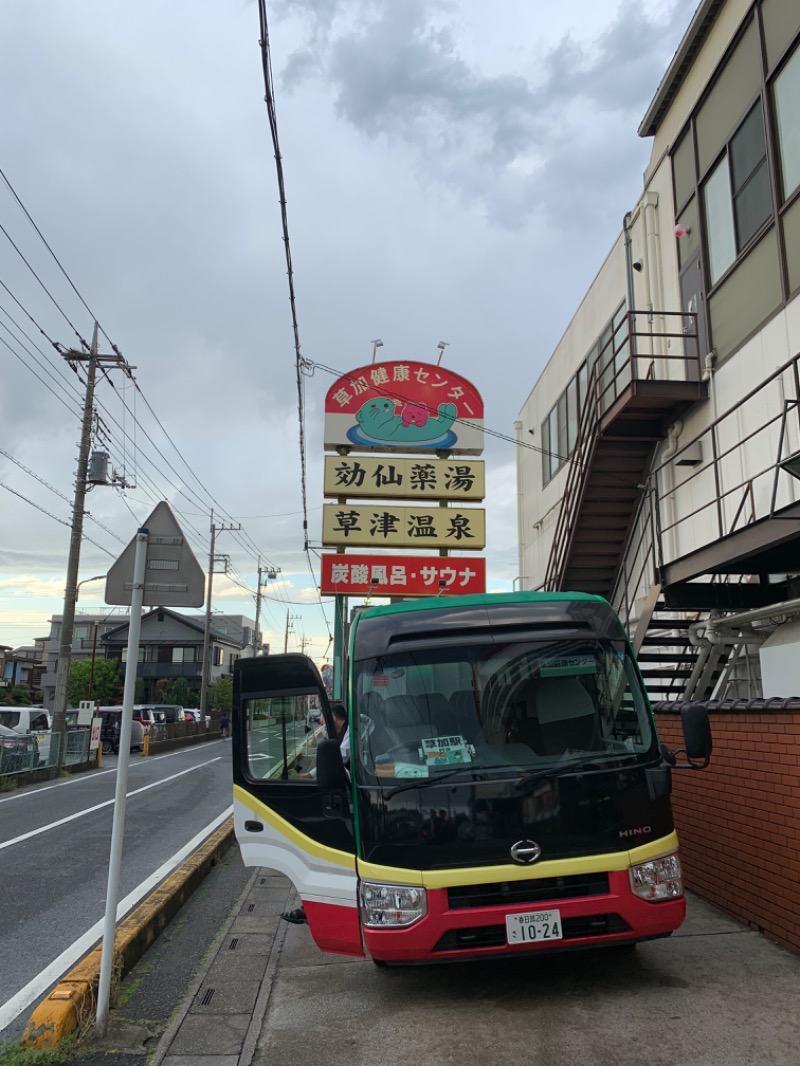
{"type": "Point", "coordinates": [173, 577]}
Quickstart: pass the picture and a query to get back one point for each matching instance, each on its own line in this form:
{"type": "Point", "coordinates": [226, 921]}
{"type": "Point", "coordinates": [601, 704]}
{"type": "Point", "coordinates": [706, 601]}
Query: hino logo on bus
{"type": "Point", "coordinates": [638, 831]}
{"type": "Point", "coordinates": [525, 851]}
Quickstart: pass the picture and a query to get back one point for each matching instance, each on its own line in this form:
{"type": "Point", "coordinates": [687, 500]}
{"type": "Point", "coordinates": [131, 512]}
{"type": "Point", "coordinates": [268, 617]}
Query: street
{"type": "Point", "coordinates": [54, 852]}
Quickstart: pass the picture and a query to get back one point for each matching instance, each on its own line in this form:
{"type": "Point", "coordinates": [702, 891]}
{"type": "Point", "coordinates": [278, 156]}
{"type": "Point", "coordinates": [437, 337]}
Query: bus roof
{"type": "Point", "coordinates": [481, 616]}
{"type": "Point", "coordinates": [479, 599]}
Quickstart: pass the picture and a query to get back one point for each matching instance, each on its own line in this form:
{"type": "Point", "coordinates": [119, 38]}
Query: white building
{"type": "Point", "coordinates": [673, 398]}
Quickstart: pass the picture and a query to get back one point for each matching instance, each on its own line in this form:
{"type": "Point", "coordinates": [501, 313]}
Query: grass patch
{"type": "Point", "coordinates": [7, 784]}
{"type": "Point", "coordinates": [16, 1055]}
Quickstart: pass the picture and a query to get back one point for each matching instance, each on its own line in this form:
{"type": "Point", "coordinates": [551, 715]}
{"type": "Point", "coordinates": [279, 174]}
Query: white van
{"type": "Point", "coordinates": [30, 720]}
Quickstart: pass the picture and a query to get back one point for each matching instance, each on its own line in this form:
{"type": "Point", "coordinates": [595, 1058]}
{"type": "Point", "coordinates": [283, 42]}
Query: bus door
{"type": "Point", "coordinates": [284, 821]}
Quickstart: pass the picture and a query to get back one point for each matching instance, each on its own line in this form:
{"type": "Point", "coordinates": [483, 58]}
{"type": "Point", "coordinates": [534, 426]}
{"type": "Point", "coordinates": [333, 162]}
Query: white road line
{"type": "Point", "coordinates": [26, 793]}
{"type": "Point", "coordinates": [107, 803]}
{"type": "Point", "coordinates": [35, 988]}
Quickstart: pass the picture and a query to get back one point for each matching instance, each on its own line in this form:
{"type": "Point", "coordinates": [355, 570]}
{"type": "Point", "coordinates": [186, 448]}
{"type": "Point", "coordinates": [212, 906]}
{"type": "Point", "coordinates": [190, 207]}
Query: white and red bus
{"type": "Point", "coordinates": [505, 790]}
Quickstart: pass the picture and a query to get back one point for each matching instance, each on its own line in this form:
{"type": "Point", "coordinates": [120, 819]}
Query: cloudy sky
{"type": "Point", "coordinates": [455, 171]}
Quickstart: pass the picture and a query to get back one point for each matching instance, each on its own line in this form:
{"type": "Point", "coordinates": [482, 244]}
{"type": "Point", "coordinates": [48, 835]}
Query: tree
{"type": "Point", "coordinates": [222, 694]}
{"type": "Point", "coordinates": [105, 681]}
{"type": "Point", "coordinates": [17, 696]}
{"type": "Point", "coordinates": [180, 692]}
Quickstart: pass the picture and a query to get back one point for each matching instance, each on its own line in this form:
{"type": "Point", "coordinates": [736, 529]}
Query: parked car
{"type": "Point", "coordinates": [148, 715]}
{"type": "Point", "coordinates": [110, 730]}
{"type": "Point", "coordinates": [172, 712]}
{"type": "Point", "coordinates": [192, 715]}
{"type": "Point", "coordinates": [18, 751]}
{"type": "Point", "coordinates": [27, 720]}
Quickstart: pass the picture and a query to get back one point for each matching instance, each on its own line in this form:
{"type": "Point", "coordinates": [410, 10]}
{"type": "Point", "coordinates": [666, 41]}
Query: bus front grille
{"type": "Point", "coordinates": [518, 893]}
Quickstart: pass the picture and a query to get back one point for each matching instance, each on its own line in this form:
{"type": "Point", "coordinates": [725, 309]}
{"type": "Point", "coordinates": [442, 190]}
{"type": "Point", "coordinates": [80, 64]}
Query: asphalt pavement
{"type": "Point", "coordinates": [230, 984]}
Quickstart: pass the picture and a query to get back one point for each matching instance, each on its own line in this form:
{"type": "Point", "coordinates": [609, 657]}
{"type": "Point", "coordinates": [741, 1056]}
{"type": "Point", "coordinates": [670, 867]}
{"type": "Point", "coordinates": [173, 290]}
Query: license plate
{"type": "Point", "coordinates": [533, 927]}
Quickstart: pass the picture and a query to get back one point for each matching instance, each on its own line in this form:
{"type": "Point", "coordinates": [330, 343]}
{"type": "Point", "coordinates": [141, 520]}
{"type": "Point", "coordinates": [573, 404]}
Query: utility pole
{"type": "Point", "coordinates": [93, 359]}
{"type": "Point", "coordinates": [271, 575]}
{"type": "Point", "coordinates": [289, 619]}
{"type": "Point", "coordinates": [212, 559]}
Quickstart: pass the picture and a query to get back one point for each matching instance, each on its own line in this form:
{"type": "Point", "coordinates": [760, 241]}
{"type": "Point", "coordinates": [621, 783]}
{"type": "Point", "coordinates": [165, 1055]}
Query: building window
{"type": "Point", "coordinates": [124, 655]}
{"type": "Point", "coordinates": [736, 195]}
{"type": "Point", "coordinates": [786, 95]}
{"type": "Point", "coordinates": [217, 656]}
{"type": "Point", "coordinates": [560, 428]}
{"type": "Point", "coordinates": [183, 655]}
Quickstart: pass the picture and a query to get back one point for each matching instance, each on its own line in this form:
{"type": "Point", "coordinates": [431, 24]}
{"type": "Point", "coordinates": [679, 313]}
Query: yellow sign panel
{"type": "Point", "coordinates": [385, 526]}
{"type": "Point", "coordinates": [422, 479]}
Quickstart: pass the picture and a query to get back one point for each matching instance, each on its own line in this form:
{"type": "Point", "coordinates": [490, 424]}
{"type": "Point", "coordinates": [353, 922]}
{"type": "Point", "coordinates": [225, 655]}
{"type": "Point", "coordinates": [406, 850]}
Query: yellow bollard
{"type": "Point", "coordinates": [146, 744]}
{"type": "Point", "coordinates": [99, 755]}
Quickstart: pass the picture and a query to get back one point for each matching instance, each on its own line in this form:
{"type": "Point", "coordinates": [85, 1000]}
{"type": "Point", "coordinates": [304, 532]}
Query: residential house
{"type": "Point", "coordinates": [171, 647]}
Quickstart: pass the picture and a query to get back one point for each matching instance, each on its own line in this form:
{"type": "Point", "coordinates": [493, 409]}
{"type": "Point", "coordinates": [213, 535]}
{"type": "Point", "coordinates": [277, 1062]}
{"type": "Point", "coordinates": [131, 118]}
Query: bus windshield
{"type": "Point", "coordinates": [511, 705]}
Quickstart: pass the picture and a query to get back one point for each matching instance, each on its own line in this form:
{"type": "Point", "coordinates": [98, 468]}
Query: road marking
{"type": "Point", "coordinates": [26, 793]}
{"type": "Point", "coordinates": [106, 803]}
{"type": "Point", "coordinates": [36, 987]}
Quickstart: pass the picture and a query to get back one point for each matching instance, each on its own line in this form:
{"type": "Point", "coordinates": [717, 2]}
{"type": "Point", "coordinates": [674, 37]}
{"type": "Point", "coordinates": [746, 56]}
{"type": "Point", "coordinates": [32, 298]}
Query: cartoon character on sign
{"type": "Point", "coordinates": [403, 406]}
{"type": "Point", "coordinates": [414, 414]}
{"type": "Point", "coordinates": [378, 420]}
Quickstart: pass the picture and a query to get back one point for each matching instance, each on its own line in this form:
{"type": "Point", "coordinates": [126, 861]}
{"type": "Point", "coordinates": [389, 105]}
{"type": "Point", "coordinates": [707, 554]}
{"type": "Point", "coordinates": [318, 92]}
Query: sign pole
{"type": "Point", "coordinates": [338, 646]}
{"type": "Point", "coordinates": [118, 827]}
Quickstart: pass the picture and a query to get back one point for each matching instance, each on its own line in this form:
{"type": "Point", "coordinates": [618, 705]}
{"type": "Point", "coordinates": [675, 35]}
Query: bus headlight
{"type": "Point", "coordinates": [390, 906]}
{"type": "Point", "coordinates": [658, 879]}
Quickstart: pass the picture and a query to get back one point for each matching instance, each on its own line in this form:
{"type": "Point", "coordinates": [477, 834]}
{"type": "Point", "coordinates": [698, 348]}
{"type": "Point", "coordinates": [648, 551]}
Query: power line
{"type": "Point", "coordinates": [55, 517]}
{"type": "Point", "coordinates": [46, 385]}
{"type": "Point", "coordinates": [55, 344]}
{"type": "Point", "coordinates": [300, 362]}
{"type": "Point", "coordinates": [24, 210]}
{"type": "Point", "coordinates": [47, 485]}
{"type": "Point", "coordinates": [52, 298]}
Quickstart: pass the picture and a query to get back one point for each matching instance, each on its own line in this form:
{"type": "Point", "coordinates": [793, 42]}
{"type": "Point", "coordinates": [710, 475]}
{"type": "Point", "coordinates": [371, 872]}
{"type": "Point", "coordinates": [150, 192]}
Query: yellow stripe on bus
{"type": "Point", "coordinates": [291, 834]}
{"type": "Point", "coordinates": [479, 875]}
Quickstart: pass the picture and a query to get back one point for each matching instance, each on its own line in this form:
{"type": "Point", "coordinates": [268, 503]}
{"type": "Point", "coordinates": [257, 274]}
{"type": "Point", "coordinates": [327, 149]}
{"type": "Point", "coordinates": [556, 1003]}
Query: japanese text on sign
{"type": "Point", "coordinates": [402, 575]}
{"type": "Point", "coordinates": [370, 525]}
{"type": "Point", "coordinates": [410, 479]}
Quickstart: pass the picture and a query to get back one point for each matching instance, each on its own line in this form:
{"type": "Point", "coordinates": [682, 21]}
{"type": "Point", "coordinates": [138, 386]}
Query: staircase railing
{"type": "Point", "coordinates": [618, 364]}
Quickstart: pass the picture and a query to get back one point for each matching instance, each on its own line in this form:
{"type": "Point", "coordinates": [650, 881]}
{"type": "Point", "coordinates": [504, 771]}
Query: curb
{"type": "Point", "coordinates": [73, 999]}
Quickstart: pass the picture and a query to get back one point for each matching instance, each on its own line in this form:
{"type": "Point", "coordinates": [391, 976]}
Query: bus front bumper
{"type": "Point", "coordinates": [444, 934]}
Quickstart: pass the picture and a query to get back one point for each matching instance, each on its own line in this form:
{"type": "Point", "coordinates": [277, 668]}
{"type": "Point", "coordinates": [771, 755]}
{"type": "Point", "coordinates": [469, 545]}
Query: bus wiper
{"type": "Point", "coordinates": [434, 779]}
{"type": "Point", "coordinates": [581, 762]}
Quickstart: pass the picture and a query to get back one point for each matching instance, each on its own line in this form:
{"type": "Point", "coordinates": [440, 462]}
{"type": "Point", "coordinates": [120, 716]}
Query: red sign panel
{"type": "Point", "coordinates": [401, 575]}
{"type": "Point", "coordinates": [404, 407]}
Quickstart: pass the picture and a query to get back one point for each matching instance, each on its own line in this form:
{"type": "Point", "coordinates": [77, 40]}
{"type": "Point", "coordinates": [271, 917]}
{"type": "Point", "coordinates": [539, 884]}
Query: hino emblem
{"type": "Point", "coordinates": [525, 851]}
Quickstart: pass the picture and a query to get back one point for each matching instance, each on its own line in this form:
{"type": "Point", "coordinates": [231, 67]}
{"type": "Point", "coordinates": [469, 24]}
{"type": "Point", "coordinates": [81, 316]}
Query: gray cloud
{"type": "Point", "coordinates": [507, 142]}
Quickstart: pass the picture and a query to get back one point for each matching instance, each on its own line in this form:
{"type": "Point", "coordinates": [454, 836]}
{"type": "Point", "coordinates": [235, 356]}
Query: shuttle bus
{"type": "Point", "coordinates": [504, 790]}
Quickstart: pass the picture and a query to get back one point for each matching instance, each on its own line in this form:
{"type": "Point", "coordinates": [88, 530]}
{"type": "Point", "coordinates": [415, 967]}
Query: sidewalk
{"type": "Point", "coordinates": [230, 984]}
{"type": "Point", "coordinates": [199, 995]}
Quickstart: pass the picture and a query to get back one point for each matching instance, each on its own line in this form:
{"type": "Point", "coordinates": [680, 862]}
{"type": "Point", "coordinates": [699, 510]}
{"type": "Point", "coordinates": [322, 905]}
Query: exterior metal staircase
{"type": "Point", "coordinates": [626, 413]}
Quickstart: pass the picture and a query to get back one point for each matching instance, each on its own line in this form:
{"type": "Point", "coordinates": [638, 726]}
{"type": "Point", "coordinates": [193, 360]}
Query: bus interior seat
{"type": "Point", "coordinates": [465, 710]}
{"type": "Point", "coordinates": [561, 715]}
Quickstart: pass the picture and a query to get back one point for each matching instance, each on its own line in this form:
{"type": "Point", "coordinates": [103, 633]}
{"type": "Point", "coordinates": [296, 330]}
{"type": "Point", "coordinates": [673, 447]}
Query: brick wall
{"type": "Point", "coordinates": [739, 819]}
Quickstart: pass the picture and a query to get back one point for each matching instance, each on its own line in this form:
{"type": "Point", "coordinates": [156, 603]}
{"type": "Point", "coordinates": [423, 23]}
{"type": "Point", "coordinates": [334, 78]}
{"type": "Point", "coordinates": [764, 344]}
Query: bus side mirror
{"type": "Point", "coordinates": [696, 732]}
{"type": "Point", "coordinates": [331, 774]}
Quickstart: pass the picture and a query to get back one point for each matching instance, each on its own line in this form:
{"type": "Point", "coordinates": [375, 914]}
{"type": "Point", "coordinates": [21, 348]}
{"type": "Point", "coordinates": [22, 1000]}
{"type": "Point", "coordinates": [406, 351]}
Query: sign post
{"type": "Point", "coordinates": [157, 568]}
{"type": "Point", "coordinates": [120, 796]}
